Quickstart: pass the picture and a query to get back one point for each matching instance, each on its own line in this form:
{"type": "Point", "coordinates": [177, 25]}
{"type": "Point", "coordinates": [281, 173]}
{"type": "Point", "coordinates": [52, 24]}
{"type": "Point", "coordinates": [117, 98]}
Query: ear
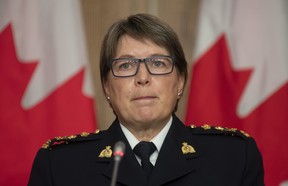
{"type": "Point", "coordinates": [181, 83]}
{"type": "Point", "coordinates": [106, 88]}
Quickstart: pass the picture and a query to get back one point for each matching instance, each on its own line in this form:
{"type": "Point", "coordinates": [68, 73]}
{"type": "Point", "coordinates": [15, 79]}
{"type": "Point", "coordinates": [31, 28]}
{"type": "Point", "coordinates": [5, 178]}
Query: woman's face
{"type": "Point", "coordinates": [143, 100]}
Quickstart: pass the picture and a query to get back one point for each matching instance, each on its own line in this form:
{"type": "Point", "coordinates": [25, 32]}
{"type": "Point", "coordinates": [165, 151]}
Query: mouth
{"type": "Point", "coordinates": [144, 98]}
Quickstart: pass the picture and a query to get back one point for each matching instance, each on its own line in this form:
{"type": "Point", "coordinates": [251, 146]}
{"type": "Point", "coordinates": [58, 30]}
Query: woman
{"type": "Point", "coordinates": [143, 73]}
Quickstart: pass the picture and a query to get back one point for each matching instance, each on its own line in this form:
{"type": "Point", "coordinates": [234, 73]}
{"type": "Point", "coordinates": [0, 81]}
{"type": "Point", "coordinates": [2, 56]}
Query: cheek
{"type": "Point", "coordinates": [120, 89]}
{"type": "Point", "coordinates": [171, 85]}
{"type": "Point", "coordinates": [168, 89]}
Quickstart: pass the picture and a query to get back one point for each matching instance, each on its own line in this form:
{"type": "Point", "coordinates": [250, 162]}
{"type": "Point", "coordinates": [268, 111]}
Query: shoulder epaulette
{"type": "Point", "coordinates": [68, 139]}
{"type": "Point", "coordinates": [207, 129]}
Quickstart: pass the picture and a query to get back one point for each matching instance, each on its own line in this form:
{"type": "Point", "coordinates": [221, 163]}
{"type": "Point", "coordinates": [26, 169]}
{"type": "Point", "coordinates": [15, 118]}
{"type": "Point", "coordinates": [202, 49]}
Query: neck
{"type": "Point", "coordinates": [145, 135]}
{"type": "Point", "coordinates": [145, 132]}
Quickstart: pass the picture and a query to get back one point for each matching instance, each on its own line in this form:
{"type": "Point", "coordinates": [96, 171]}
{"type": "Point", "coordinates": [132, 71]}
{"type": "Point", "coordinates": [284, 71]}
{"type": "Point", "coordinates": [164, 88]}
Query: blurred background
{"type": "Point", "coordinates": [50, 84]}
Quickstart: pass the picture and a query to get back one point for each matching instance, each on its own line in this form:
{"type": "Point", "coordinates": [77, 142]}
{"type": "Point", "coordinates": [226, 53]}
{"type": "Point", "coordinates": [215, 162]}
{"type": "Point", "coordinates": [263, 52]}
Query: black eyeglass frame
{"type": "Point", "coordinates": [144, 60]}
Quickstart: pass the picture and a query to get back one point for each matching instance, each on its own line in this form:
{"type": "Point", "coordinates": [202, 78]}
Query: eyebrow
{"type": "Point", "coordinates": [131, 56]}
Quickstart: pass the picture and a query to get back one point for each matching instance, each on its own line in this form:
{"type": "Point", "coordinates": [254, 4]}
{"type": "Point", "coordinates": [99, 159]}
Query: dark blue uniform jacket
{"type": "Point", "coordinates": [190, 156]}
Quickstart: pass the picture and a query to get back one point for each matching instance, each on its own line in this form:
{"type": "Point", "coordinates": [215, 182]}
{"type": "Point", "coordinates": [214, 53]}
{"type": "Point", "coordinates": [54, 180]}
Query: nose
{"type": "Point", "coordinates": [143, 76]}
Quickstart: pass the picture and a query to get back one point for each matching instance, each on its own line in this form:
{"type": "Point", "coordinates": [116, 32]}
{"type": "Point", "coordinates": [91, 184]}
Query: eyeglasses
{"type": "Point", "coordinates": [156, 65]}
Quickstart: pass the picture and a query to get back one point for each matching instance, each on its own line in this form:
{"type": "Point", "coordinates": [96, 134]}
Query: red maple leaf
{"type": "Point", "coordinates": [23, 132]}
{"type": "Point", "coordinates": [215, 91]}
{"type": "Point", "coordinates": [215, 87]}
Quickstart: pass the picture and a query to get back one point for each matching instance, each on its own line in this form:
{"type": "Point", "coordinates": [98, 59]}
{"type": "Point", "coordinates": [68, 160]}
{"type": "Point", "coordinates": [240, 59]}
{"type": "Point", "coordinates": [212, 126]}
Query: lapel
{"type": "Point", "coordinates": [172, 163]}
{"type": "Point", "coordinates": [129, 168]}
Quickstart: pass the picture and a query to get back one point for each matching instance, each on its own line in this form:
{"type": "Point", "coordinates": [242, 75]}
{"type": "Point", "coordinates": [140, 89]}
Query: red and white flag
{"type": "Point", "coordinates": [240, 75]}
{"type": "Point", "coordinates": [45, 86]}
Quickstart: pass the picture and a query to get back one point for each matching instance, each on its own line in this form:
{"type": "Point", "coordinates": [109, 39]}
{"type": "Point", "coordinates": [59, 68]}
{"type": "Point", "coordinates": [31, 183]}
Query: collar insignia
{"type": "Point", "coordinates": [106, 153]}
{"type": "Point", "coordinates": [186, 149]}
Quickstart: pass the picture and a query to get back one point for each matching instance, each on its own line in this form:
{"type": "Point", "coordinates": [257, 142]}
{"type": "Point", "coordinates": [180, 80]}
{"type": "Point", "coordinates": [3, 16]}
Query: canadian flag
{"type": "Point", "coordinates": [240, 75]}
{"type": "Point", "coordinates": [45, 87]}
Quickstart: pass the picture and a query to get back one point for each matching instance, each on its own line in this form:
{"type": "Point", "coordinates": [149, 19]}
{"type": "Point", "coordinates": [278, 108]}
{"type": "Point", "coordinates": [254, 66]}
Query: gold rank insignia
{"type": "Point", "coordinates": [245, 133]}
{"type": "Point", "coordinates": [206, 127]}
{"type": "Point", "coordinates": [106, 153]}
{"type": "Point", "coordinates": [84, 134]}
{"type": "Point", "coordinates": [68, 139]}
{"type": "Point", "coordinates": [186, 149]}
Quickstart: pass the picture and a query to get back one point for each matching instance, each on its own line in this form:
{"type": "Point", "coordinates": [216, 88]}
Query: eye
{"type": "Point", "coordinates": [125, 66]}
{"type": "Point", "coordinates": [158, 63]}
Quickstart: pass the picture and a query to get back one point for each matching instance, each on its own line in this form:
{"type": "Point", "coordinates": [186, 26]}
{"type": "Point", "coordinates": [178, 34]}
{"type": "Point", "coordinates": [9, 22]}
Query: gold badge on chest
{"type": "Point", "coordinates": [106, 153]}
{"type": "Point", "coordinates": [186, 148]}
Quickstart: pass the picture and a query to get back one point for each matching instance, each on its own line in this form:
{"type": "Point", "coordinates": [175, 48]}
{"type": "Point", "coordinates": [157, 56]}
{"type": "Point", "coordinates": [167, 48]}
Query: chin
{"type": "Point", "coordinates": [146, 118]}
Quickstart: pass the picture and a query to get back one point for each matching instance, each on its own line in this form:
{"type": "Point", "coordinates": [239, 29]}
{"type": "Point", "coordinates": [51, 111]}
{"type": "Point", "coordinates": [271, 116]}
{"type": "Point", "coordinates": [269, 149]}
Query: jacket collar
{"type": "Point", "coordinates": [175, 161]}
{"type": "Point", "coordinates": [171, 157]}
{"type": "Point", "coordinates": [129, 168]}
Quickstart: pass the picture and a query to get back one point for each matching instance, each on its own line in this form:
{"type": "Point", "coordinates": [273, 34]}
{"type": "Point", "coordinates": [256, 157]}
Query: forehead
{"type": "Point", "coordinates": [129, 46]}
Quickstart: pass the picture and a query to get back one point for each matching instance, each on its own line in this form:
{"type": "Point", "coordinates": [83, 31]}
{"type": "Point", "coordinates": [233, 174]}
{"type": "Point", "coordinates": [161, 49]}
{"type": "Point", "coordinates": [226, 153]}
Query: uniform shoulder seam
{"type": "Point", "coordinates": [208, 129]}
{"type": "Point", "coordinates": [84, 136]}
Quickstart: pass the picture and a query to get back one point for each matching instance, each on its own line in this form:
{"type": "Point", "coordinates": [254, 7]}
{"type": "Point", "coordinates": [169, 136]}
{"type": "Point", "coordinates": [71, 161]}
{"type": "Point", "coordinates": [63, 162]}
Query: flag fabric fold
{"type": "Point", "coordinates": [44, 80]}
{"type": "Point", "coordinates": [240, 75]}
